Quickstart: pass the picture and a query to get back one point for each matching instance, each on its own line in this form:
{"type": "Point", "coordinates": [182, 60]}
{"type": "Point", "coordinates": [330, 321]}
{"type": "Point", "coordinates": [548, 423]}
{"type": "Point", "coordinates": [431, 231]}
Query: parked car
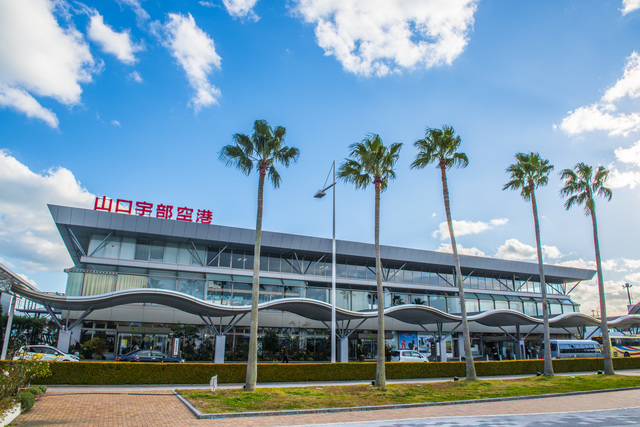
{"type": "Point", "coordinates": [147, 356]}
{"type": "Point", "coordinates": [407, 356]}
{"type": "Point", "coordinates": [43, 352]}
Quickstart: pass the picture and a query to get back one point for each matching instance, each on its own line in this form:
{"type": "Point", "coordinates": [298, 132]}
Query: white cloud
{"type": "Point", "coordinates": [461, 228]}
{"type": "Point", "coordinates": [141, 14]}
{"type": "Point", "coordinates": [387, 36]}
{"type": "Point", "coordinates": [118, 44]}
{"type": "Point", "coordinates": [40, 58]}
{"type": "Point", "coordinates": [612, 265]}
{"type": "Point", "coordinates": [630, 177]}
{"type": "Point", "coordinates": [597, 117]}
{"type": "Point", "coordinates": [21, 101]}
{"type": "Point", "coordinates": [629, 6]}
{"type": "Point", "coordinates": [196, 53]}
{"type": "Point", "coordinates": [515, 249]}
{"type": "Point", "coordinates": [115, 123]}
{"type": "Point", "coordinates": [241, 8]}
{"type": "Point", "coordinates": [28, 236]}
{"type": "Point", "coordinates": [604, 115]}
{"type": "Point", "coordinates": [446, 247]}
{"type": "Point", "coordinates": [135, 76]}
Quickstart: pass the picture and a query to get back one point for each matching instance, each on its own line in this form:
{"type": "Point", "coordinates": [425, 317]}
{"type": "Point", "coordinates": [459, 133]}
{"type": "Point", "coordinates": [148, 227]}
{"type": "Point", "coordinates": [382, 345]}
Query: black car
{"type": "Point", "coordinates": [147, 356]}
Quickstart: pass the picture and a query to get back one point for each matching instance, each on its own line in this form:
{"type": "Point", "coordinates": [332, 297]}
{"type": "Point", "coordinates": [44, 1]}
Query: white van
{"type": "Point", "coordinates": [407, 356]}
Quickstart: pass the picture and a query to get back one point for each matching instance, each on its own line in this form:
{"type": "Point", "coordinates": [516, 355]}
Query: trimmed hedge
{"type": "Point", "coordinates": [120, 373]}
{"type": "Point", "coordinates": [27, 400]}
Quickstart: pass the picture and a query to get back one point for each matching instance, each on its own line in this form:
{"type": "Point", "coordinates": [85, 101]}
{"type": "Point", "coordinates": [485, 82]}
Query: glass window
{"type": "Point", "coordinates": [128, 248]}
{"type": "Point", "coordinates": [241, 294]}
{"type": "Point", "coordinates": [371, 272]}
{"type": "Point", "coordinates": [156, 282]}
{"type": "Point", "coordinates": [341, 270]}
{"type": "Point", "coordinates": [408, 276]}
{"type": "Point", "coordinates": [142, 250]}
{"type": "Point", "coordinates": [212, 253]}
{"type": "Point", "coordinates": [419, 299]}
{"type": "Point", "coordinates": [400, 299]}
{"type": "Point", "coordinates": [219, 292]}
{"type": "Point", "coordinates": [485, 304]}
{"type": "Point", "coordinates": [274, 263]}
{"type": "Point", "coordinates": [501, 304]}
{"type": "Point", "coordinates": [237, 260]}
{"type": "Point", "coordinates": [343, 298]}
{"type": "Point", "coordinates": [264, 263]}
{"type": "Point", "coordinates": [471, 304]}
{"type": "Point", "coordinates": [270, 292]}
{"type": "Point", "coordinates": [157, 252]}
{"type": "Point", "coordinates": [95, 243]}
{"type": "Point", "coordinates": [516, 305]}
{"type": "Point", "coordinates": [530, 307]}
{"type": "Point", "coordinates": [112, 248]}
{"type": "Point", "coordinates": [224, 259]}
{"type": "Point", "coordinates": [351, 271]}
{"type": "Point", "coordinates": [438, 302]}
{"type": "Point", "coordinates": [319, 294]}
{"type": "Point", "coordinates": [193, 287]}
{"type": "Point", "coordinates": [248, 261]}
{"type": "Point", "coordinates": [360, 300]}
{"type": "Point", "coordinates": [184, 254]}
{"type": "Point", "coordinates": [361, 272]}
{"type": "Point", "coordinates": [74, 284]}
{"type": "Point", "coordinates": [453, 304]}
{"type": "Point", "coordinates": [286, 265]}
{"type": "Point", "coordinates": [171, 253]}
{"type": "Point", "coordinates": [293, 291]}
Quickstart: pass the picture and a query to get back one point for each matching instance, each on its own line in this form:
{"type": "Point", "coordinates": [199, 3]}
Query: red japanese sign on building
{"type": "Point", "coordinates": [148, 209]}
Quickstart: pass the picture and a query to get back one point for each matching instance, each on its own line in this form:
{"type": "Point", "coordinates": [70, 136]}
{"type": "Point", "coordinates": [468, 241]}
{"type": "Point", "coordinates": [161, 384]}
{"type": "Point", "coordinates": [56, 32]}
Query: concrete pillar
{"type": "Point", "coordinates": [344, 350]}
{"type": "Point", "coordinates": [219, 348]}
{"type": "Point", "coordinates": [64, 340]}
{"type": "Point", "coordinates": [7, 332]}
{"type": "Point", "coordinates": [443, 350]}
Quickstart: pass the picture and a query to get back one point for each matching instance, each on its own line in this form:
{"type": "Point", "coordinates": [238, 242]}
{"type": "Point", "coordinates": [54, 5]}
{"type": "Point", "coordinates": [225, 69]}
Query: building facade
{"type": "Point", "coordinates": [115, 252]}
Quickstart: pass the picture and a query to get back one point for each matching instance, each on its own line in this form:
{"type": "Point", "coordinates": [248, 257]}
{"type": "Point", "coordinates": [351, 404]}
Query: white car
{"type": "Point", "coordinates": [43, 352]}
{"type": "Point", "coordinates": [407, 356]}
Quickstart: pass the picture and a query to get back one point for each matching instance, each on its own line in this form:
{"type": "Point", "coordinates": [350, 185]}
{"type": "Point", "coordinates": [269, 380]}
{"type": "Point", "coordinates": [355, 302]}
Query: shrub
{"type": "Point", "coordinates": [35, 390]}
{"type": "Point", "coordinates": [27, 399]}
{"type": "Point", "coordinates": [115, 373]}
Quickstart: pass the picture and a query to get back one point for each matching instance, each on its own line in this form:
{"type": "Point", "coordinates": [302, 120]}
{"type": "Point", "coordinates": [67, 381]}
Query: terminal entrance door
{"type": "Point", "coordinates": [138, 338]}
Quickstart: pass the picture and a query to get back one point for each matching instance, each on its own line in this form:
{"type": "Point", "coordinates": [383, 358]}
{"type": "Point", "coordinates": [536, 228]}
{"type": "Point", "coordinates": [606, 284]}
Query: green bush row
{"type": "Point", "coordinates": [116, 373]}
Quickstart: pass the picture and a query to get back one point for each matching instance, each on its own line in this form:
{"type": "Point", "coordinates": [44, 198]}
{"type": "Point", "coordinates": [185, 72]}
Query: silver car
{"type": "Point", "coordinates": [407, 356]}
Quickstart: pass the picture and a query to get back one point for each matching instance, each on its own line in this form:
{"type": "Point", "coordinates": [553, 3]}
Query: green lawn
{"type": "Point", "coordinates": [292, 398]}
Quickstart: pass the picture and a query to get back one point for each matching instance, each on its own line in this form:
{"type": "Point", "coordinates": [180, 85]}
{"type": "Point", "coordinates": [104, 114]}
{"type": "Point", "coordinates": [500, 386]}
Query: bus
{"type": "Point", "coordinates": [624, 346]}
{"type": "Point", "coordinates": [567, 349]}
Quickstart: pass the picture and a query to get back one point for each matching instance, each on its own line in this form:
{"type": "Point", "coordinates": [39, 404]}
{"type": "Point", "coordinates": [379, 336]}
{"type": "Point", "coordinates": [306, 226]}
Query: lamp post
{"type": "Point", "coordinates": [626, 285]}
{"type": "Point", "coordinates": [319, 195]}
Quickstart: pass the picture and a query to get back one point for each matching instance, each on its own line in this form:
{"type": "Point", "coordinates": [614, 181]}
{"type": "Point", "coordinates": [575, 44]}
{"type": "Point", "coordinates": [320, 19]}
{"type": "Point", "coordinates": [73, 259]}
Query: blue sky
{"type": "Point", "coordinates": [134, 99]}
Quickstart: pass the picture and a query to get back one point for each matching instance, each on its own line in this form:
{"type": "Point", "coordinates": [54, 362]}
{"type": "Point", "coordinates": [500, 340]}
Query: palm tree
{"type": "Point", "coordinates": [528, 173]}
{"type": "Point", "coordinates": [262, 150]}
{"type": "Point", "coordinates": [371, 162]}
{"type": "Point", "coordinates": [580, 185]}
{"type": "Point", "coordinates": [440, 146]}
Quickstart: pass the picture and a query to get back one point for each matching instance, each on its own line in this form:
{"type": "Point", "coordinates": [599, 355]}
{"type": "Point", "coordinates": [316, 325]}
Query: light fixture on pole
{"type": "Point", "coordinates": [626, 285]}
{"type": "Point", "coordinates": [319, 195]}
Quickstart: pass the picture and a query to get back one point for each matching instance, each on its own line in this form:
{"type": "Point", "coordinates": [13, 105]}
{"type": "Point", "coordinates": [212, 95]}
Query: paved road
{"type": "Point", "coordinates": [606, 418]}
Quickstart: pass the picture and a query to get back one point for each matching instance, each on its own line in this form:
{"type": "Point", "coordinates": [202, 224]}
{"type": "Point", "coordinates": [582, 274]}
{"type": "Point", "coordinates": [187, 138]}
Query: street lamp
{"type": "Point", "coordinates": [626, 285]}
{"type": "Point", "coordinates": [319, 195]}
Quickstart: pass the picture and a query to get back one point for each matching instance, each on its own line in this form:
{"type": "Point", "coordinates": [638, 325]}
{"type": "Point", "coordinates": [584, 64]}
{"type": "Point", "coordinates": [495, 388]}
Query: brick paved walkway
{"type": "Point", "coordinates": [163, 408]}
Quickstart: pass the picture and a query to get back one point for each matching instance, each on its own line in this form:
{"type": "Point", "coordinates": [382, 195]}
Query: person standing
{"type": "Point", "coordinates": [285, 354]}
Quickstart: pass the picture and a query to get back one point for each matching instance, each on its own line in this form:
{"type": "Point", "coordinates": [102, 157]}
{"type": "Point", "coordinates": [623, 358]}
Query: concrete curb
{"type": "Point", "coordinates": [201, 416]}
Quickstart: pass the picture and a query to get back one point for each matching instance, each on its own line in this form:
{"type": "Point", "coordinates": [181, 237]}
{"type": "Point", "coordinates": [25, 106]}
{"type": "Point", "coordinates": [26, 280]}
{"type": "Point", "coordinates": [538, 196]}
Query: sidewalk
{"type": "Point", "coordinates": [158, 406]}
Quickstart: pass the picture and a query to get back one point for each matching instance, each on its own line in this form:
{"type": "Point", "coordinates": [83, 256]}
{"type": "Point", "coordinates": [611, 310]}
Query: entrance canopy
{"type": "Point", "coordinates": [312, 309]}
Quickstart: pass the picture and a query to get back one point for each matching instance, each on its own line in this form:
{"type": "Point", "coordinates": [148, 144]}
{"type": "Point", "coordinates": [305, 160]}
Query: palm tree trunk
{"type": "Point", "coordinates": [548, 363]}
{"type": "Point", "coordinates": [381, 377]}
{"type": "Point", "coordinates": [252, 362]}
{"type": "Point", "coordinates": [606, 343]}
{"type": "Point", "coordinates": [468, 356]}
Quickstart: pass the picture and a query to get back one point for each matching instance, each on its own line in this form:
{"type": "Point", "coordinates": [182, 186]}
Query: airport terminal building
{"type": "Point", "coordinates": [135, 276]}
